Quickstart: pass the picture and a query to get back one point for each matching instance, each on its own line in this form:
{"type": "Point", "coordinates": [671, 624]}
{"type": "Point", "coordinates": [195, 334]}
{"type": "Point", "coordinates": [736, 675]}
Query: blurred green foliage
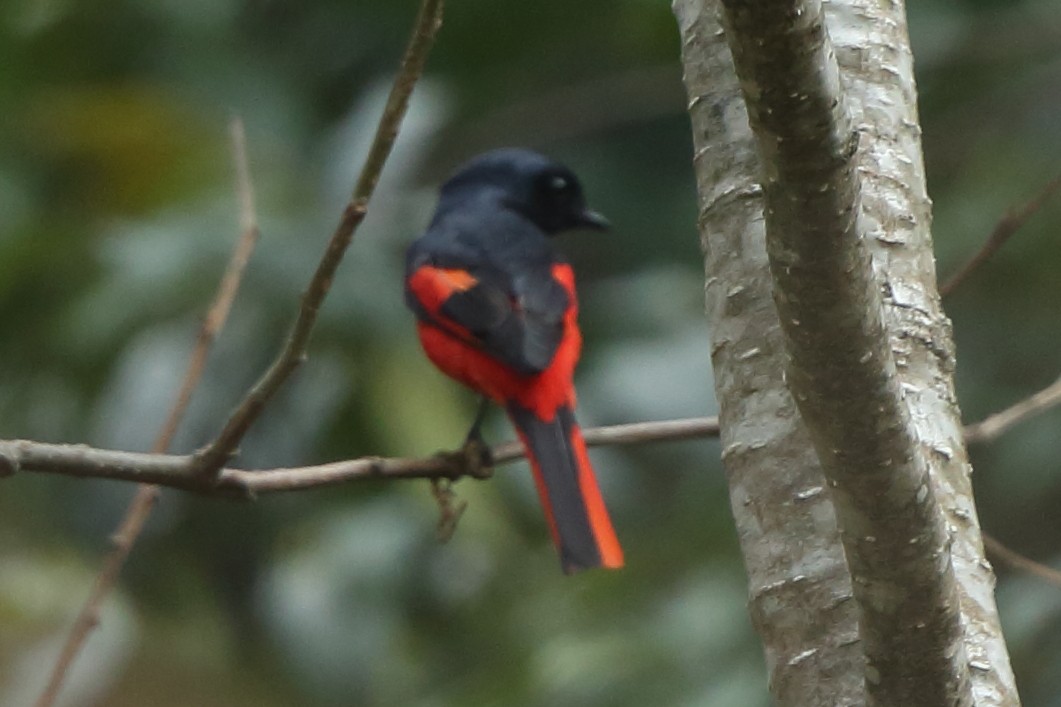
{"type": "Point", "coordinates": [117, 214]}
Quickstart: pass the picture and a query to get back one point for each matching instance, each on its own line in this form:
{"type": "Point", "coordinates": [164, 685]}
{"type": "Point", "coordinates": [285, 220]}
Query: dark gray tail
{"type": "Point", "coordinates": [568, 489]}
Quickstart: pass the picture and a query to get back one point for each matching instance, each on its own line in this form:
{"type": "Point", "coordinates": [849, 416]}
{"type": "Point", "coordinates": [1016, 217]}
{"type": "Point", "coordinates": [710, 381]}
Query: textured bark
{"type": "Point", "coordinates": [840, 366]}
{"type": "Point", "coordinates": [867, 352]}
{"type": "Point", "coordinates": [799, 587]}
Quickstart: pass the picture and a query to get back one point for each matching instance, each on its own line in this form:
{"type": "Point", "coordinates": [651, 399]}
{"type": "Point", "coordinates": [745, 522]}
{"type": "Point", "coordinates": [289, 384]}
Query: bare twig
{"type": "Point", "coordinates": [147, 495]}
{"type": "Point", "coordinates": [211, 458]}
{"type": "Point", "coordinates": [1021, 563]}
{"type": "Point", "coordinates": [226, 293]}
{"type": "Point", "coordinates": [1002, 232]}
{"type": "Point", "coordinates": [994, 425]}
{"type": "Point", "coordinates": [88, 618]}
{"type": "Point", "coordinates": [989, 429]}
{"type": "Point", "coordinates": [180, 471]}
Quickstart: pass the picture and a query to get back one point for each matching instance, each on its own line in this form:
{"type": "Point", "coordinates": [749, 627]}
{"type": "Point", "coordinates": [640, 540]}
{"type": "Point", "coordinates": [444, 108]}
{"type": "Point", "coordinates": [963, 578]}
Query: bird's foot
{"type": "Point", "coordinates": [478, 458]}
{"type": "Point", "coordinates": [473, 459]}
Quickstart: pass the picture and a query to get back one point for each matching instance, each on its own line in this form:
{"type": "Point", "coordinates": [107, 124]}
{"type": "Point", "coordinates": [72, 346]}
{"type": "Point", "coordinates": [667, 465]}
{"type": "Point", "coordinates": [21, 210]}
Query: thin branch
{"type": "Point", "coordinates": [989, 429]}
{"type": "Point", "coordinates": [88, 618]}
{"type": "Point", "coordinates": [1002, 232]}
{"type": "Point", "coordinates": [1021, 563]}
{"type": "Point", "coordinates": [147, 495]}
{"type": "Point", "coordinates": [180, 471]}
{"type": "Point", "coordinates": [230, 281]}
{"type": "Point", "coordinates": [993, 426]}
{"type": "Point", "coordinates": [213, 457]}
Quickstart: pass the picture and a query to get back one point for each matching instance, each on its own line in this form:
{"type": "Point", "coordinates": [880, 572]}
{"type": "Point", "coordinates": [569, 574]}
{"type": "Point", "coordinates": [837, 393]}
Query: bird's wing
{"type": "Point", "coordinates": [517, 320]}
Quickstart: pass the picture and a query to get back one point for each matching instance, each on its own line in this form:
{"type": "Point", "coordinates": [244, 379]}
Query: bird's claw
{"type": "Point", "coordinates": [473, 459]}
{"type": "Point", "coordinates": [478, 459]}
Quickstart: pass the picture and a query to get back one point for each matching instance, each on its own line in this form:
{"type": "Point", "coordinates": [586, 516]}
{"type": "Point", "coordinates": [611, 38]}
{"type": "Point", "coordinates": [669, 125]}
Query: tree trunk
{"type": "Point", "coordinates": [814, 222]}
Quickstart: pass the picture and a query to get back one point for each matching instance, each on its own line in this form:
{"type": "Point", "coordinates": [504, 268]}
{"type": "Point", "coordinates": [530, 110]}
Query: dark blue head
{"type": "Point", "coordinates": [546, 192]}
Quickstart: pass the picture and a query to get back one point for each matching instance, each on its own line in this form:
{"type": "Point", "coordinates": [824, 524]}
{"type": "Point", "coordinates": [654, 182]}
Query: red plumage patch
{"type": "Point", "coordinates": [452, 348]}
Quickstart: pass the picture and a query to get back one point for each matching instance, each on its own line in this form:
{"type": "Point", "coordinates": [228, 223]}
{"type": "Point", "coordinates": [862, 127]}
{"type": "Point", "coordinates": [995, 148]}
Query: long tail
{"type": "Point", "coordinates": [568, 489]}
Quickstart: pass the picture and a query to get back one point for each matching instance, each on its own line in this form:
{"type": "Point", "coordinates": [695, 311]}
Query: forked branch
{"type": "Point", "coordinates": [214, 456]}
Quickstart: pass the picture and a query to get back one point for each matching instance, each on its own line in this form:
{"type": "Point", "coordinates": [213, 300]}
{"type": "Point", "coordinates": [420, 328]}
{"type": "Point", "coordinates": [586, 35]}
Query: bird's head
{"type": "Point", "coordinates": [546, 192]}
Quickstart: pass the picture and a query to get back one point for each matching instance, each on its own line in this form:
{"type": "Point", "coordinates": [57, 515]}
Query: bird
{"type": "Point", "coordinates": [496, 309]}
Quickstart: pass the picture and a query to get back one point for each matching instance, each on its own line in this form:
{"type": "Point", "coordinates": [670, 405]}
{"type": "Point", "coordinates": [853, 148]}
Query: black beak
{"type": "Point", "coordinates": [593, 220]}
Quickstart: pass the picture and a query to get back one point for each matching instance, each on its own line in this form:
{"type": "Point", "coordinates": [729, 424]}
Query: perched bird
{"type": "Point", "coordinates": [496, 310]}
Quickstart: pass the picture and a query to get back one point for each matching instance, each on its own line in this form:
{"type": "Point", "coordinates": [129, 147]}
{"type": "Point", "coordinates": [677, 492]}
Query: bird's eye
{"type": "Point", "coordinates": [559, 184]}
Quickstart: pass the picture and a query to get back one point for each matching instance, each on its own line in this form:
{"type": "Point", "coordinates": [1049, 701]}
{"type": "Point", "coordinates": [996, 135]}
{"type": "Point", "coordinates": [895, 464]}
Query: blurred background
{"type": "Point", "coordinates": [117, 214]}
